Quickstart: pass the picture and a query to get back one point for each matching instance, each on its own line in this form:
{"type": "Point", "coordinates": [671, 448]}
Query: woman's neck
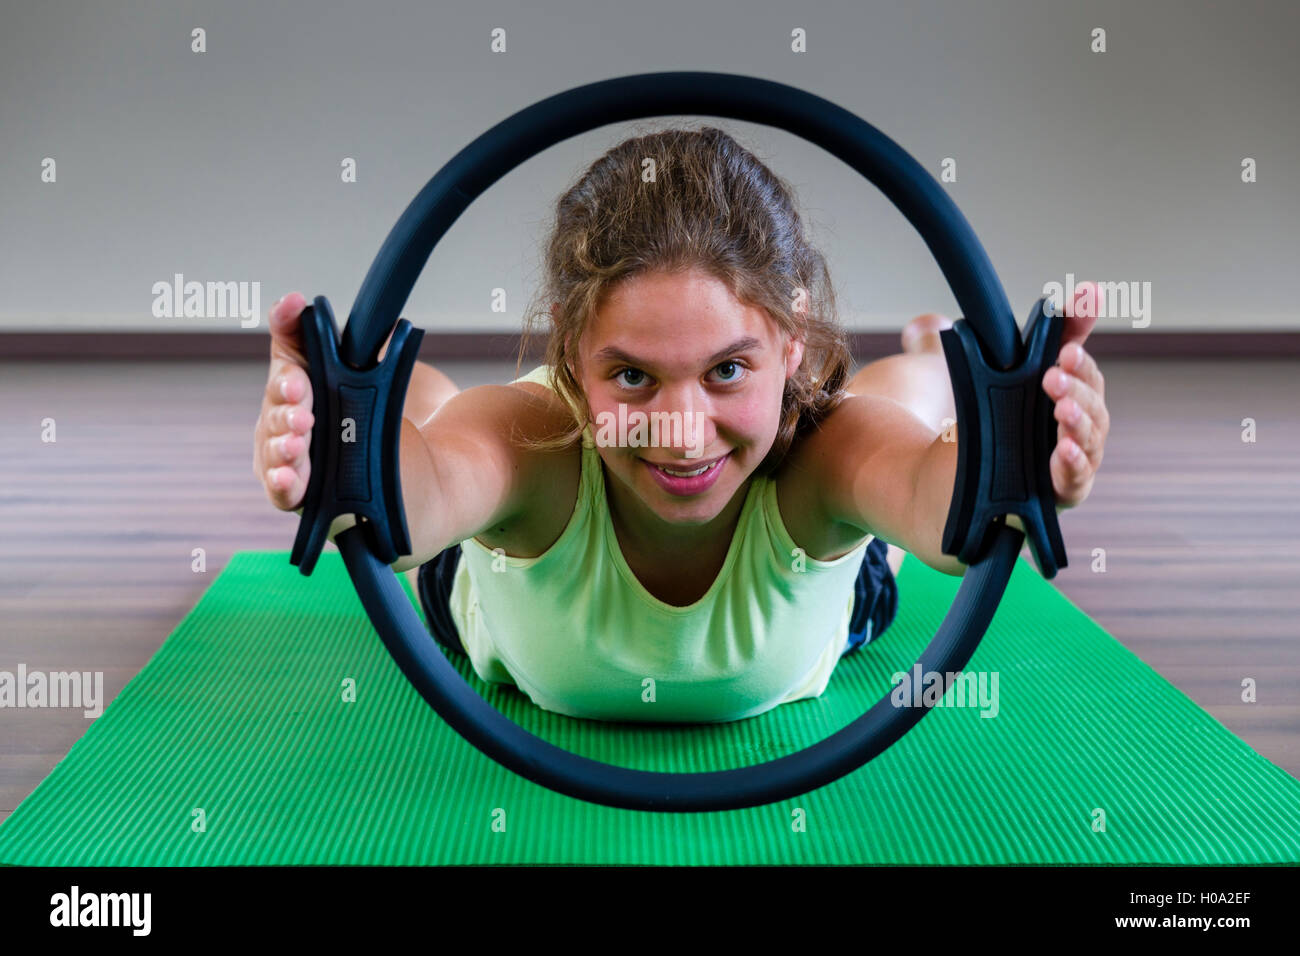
{"type": "Point", "coordinates": [643, 533]}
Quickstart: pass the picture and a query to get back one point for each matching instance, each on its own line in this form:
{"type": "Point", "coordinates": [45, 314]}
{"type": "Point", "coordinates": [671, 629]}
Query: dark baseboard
{"type": "Point", "coordinates": [503, 346]}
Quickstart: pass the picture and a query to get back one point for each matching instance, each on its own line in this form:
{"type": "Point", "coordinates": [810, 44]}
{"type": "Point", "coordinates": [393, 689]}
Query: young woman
{"type": "Point", "coordinates": [714, 574]}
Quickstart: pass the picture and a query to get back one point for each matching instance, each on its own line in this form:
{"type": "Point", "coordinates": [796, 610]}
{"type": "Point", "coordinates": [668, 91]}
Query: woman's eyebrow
{"type": "Point", "coordinates": [613, 353]}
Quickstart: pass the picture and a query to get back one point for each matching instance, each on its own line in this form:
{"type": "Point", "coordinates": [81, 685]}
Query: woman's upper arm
{"type": "Point", "coordinates": [481, 475]}
{"type": "Point", "coordinates": [865, 458]}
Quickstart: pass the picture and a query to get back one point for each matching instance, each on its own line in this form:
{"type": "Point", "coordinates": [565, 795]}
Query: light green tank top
{"type": "Point", "coordinates": [576, 631]}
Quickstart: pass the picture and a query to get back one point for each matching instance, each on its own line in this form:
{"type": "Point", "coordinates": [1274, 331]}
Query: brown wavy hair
{"type": "Point", "coordinates": [706, 204]}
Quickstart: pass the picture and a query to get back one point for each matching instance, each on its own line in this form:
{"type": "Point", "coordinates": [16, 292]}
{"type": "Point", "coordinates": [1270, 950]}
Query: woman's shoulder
{"type": "Point", "coordinates": [550, 469]}
{"type": "Point", "coordinates": [550, 413]}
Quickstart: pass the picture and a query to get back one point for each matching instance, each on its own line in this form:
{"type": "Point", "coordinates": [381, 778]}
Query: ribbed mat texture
{"type": "Point", "coordinates": [240, 722]}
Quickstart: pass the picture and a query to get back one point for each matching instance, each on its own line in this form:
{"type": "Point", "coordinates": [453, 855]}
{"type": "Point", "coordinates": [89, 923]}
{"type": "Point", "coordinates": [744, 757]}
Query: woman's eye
{"type": "Point", "coordinates": [728, 371]}
{"type": "Point", "coordinates": [636, 378]}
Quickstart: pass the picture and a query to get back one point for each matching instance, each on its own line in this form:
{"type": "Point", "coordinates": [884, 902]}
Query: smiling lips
{"type": "Point", "coordinates": [686, 471]}
{"type": "Point", "coordinates": [687, 481]}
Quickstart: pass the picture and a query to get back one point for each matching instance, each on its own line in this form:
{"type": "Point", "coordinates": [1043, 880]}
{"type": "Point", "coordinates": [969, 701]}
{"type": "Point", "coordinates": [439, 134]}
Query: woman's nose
{"type": "Point", "coordinates": [686, 425]}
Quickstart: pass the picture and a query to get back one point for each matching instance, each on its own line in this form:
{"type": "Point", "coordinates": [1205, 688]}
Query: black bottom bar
{"type": "Point", "coordinates": [975, 906]}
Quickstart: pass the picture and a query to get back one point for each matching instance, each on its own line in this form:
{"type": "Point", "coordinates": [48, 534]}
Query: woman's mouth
{"type": "Point", "coordinates": [687, 478]}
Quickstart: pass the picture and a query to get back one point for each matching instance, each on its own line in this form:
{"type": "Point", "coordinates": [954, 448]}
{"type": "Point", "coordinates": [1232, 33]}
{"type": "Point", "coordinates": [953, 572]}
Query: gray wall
{"type": "Point", "coordinates": [224, 166]}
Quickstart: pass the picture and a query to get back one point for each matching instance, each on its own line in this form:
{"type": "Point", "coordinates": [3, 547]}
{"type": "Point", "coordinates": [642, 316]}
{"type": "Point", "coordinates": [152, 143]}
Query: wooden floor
{"type": "Point", "coordinates": [1200, 530]}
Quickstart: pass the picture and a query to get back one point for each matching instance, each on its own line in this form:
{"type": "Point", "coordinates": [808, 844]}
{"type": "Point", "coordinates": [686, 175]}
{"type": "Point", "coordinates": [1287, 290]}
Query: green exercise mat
{"type": "Point", "coordinates": [236, 745]}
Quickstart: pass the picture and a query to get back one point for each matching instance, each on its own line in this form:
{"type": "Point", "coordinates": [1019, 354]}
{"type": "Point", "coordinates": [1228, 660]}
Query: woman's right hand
{"type": "Point", "coordinates": [282, 436]}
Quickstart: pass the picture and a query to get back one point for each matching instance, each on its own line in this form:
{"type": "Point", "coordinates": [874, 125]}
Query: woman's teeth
{"type": "Point", "coordinates": [685, 474]}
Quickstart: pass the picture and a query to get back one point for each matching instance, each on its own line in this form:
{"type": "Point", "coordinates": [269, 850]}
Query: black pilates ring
{"type": "Point", "coordinates": [1005, 423]}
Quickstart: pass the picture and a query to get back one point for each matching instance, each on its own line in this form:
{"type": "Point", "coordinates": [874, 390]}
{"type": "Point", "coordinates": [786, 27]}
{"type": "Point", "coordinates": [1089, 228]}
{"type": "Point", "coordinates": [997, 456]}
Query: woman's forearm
{"type": "Point", "coordinates": [426, 522]}
{"type": "Point", "coordinates": [418, 506]}
{"type": "Point", "coordinates": [932, 498]}
{"type": "Point", "coordinates": [934, 487]}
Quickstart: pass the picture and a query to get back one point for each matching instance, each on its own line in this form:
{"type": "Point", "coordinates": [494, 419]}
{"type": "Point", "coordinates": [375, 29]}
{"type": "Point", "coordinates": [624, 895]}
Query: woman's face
{"type": "Point", "coordinates": [664, 344]}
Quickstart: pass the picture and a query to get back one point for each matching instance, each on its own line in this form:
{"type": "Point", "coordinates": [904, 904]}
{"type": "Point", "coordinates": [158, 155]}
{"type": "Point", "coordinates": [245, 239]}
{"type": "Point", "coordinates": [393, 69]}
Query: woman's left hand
{"type": "Point", "coordinates": [1076, 384]}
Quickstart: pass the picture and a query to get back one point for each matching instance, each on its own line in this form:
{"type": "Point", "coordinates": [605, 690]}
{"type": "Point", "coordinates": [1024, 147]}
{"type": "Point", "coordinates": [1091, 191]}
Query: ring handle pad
{"type": "Point", "coordinates": [1006, 433]}
{"type": "Point", "coordinates": [355, 440]}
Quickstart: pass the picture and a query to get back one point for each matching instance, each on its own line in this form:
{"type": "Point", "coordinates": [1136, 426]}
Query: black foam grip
{"type": "Point", "coordinates": [355, 438]}
{"type": "Point", "coordinates": [1006, 432]}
